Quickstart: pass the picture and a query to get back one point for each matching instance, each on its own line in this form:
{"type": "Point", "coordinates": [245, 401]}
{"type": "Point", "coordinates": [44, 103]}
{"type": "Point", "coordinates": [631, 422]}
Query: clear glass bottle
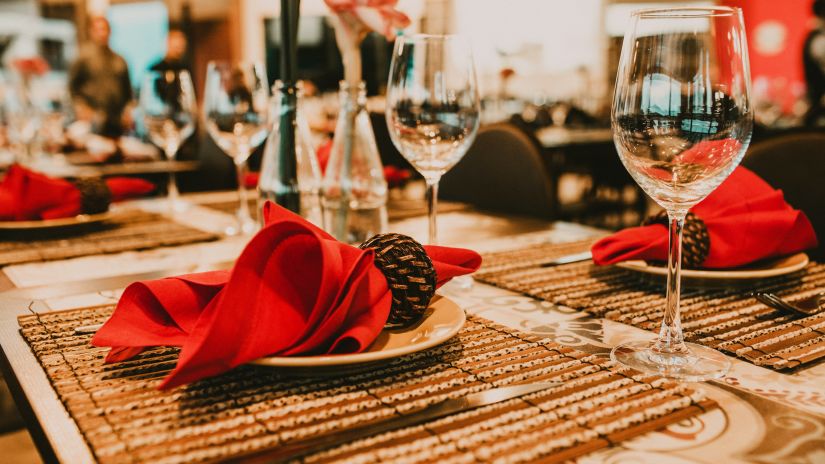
{"type": "Point", "coordinates": [354, 189]}
{"type": "Point", "coordinates": [290, 174]}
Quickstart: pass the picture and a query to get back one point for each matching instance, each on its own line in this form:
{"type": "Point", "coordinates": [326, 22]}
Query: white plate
{"type": "Point", "coordinates": [760, 270]}
{"type": "Point", "coordinates": [55, 223]}
{"type": "Point", "coordinates": [443, 320]}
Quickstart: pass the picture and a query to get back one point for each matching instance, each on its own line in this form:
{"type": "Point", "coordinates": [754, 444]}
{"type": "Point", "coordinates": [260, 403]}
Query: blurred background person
{"type": "Point", "coordinates": [99, 82]}
{"type": "Point", "coordinates": [813, 59]}
{"type": "Point", "coordinates": [175, 57]}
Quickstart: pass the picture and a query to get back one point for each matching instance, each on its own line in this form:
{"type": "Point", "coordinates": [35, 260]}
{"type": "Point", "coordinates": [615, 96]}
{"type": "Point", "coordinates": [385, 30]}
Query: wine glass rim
{"type": "Point", "coordinates": [687, 12]}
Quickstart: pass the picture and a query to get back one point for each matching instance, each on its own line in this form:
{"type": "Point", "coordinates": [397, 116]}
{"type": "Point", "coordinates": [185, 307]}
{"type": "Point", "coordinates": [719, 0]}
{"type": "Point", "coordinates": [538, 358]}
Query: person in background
{"type": "Point", "coordinates": [175, 58]}
{"type": "Point", "coordinates": [99, 82]}
{"type": "Point", "coordinates": [813, 59]}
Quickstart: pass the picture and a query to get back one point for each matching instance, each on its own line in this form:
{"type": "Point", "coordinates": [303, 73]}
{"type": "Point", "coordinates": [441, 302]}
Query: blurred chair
{"type": "Point", "coordinates": [502, 171]}
{"type": "Point", "coordinates": [796, 164]}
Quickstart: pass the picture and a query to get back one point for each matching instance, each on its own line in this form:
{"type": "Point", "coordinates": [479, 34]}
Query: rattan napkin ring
{"type": "Point", "coordinates": [410, 276]}
{"type": "Point", "coordinates": [695, 238]}
{"type": "Point", "coordinates": [95, 195]}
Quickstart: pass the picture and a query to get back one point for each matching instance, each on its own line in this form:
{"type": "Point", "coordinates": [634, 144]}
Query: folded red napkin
{"type": "Point", "coordinates": [294, 290]}
{"type": "Point", "coordinates": [28, 195]}
{"type": "Point", "coordinates": [747, 220]}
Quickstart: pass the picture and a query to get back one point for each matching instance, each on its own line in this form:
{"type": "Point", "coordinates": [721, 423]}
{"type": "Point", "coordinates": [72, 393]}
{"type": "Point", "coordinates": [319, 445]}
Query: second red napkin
{"type": "Point", "coordinates": [294, 290]}
{"type": "Point", "coordinates": [28, 195]}
{"type": "Point", "coordinates": [747, 220]}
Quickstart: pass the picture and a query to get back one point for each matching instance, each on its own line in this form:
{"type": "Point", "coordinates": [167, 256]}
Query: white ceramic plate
{"type": "Point", "coordinates": [760, 270]}
{"type": "Point", "coordinates": [443, 320]}
{"type": "Point", "coordinates": [55, 223]}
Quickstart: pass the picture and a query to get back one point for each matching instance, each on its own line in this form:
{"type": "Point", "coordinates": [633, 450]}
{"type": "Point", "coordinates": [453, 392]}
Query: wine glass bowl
{"type": "Point", "coordinates": [432, 106]}
{"type": "Point", "coordinates": [682, 120]}
{"type": "Point", "coordinates": [167, 102]}
{"type": "Point", "coordinates": [236, 108]}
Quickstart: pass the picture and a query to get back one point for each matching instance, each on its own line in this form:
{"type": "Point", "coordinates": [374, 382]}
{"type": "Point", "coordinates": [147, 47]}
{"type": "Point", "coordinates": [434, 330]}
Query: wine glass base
{"type": "Point", "coordinates": [464, 282]}
{"type": "Point", "coordinates": [178, 206]}
{"type": "Point", "coordinates": [243, 226]}
{"type": "Point", "coordinates": [697, 364]}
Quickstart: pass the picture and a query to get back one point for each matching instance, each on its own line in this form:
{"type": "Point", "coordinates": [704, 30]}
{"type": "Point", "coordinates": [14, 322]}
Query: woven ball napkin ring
{"type": "Point", "coordinates": [695, 238]}
{"type": "Point", "coordinates": [410, 276]}
{"type": "Point", "coordinates": [95, 195]}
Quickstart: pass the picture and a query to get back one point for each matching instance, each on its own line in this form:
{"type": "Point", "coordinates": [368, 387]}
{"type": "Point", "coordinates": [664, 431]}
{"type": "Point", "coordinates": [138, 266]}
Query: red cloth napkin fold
{"type": "Point", "coordinates": [294, 290]}
{"type": "Point", "coordinates": [747, 220]}
{"type": "Point", "coordinates": [28, 195]}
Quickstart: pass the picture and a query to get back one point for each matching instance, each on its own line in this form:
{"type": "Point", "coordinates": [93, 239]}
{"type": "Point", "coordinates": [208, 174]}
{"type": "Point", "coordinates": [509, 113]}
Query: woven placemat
{"type": "Point", "coordinates": [126, 231]}
{"type": "Point", "coordinates": [250, 409]}
{"type": "Point", "coordinates": [726, 319]}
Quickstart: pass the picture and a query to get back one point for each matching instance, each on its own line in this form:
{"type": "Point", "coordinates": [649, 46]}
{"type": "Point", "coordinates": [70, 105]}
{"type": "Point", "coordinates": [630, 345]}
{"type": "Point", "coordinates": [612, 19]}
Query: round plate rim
{"type": "Point", "coordinates": [370, 356]}
{"type": "Point", "coordinates": [51, 223]}
{"type": "Point", "coordinates": [797, 262]}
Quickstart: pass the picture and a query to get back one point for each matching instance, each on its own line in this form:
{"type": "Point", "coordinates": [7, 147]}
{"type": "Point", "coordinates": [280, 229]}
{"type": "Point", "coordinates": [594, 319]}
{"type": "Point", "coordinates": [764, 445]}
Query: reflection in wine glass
{"type": "Point", "coordinates": [167, 101]}
{"type": "Point", "coordinates": [432, 106]}
{"type": "Point", "coordinates": [682, 119]}
{"type": "Point", "coordinates": [236, 106]}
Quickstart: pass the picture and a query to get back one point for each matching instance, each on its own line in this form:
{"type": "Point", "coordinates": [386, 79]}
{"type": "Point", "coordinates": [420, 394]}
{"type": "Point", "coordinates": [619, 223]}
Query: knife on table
{"type": "Point", "coordinates": [290, 451]}
{"type": "Point", "coordinates": [567, 259]}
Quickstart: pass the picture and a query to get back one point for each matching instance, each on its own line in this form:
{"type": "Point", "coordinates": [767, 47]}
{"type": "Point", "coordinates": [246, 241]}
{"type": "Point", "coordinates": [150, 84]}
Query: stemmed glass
{"type": "Point", "coordinates": [682, 119]}
{"type": "Point", "coordinates": [167, 101]}
{"type": "Point", "coordinates": [432, 107]}
{"type": "Point", "coordinates": [23, 119]}
{"type": "Point", "coordinates": [236, 105]}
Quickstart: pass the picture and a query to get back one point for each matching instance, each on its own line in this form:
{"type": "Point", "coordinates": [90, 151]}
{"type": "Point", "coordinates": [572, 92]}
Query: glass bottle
{"type": "Point", "coordinates": [290, 174]}
{"type": "Point", "coordinates": [354, 189]}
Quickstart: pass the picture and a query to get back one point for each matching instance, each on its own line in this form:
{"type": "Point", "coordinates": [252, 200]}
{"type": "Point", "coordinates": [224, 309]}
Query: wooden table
{"type": "Point", "coordinates": [765, 416]}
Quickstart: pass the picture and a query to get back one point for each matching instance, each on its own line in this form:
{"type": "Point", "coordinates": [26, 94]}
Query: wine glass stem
{"type": "Point", "coordinates": [671, 339]}
{"type": "Point", "coordinates": [172, 193]}
{"type": "Point", "coordinates": [432, 209]}
{"type": "Point", "coordinates": [243, 209]}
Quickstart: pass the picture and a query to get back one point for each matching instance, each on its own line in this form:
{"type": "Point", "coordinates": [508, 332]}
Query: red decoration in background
{"type": "Point", "coordinates": [395, 176]}
{"type": "Point", "coordinates": [796, 16]}
{"type": "Point", "coordinates": [33, 66]}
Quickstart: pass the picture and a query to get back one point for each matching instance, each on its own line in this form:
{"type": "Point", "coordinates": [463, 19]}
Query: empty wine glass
{"type": "Point", "coordinates": [167, 101]}
{"type": "Point", "coordinates": [23, 119]}
{"type": "Point", "coordinates": [236, 105]}
{"type": "Point", "coordinates": [432, 106]}
{"type": "Point", "coordinates": [682, 119]}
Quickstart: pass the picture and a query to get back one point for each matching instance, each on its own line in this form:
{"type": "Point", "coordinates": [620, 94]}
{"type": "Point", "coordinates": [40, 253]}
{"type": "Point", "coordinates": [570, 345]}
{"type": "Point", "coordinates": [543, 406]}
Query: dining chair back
{"type": "Point", "coordinates": [796, 164]}
{"type": "Point", "coordinates": [503, 171]}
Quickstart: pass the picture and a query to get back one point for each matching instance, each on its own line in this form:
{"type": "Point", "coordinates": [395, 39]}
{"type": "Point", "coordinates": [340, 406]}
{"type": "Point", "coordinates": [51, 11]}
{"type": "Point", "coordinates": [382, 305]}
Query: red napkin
{"type": "Point", "coordinates": [28, 195]}
{"type": "Point", "coordinates": [294, 290]}
{"type": "Point", "coordinates": [747, 220]}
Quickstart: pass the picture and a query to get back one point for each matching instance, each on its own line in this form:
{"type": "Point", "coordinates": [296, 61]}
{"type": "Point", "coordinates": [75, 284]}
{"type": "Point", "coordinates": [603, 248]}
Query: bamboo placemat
{"type": "Point", "coordinates": [250, 409]}
{"type": "Point", "coordinates": [126, 231]}
{"type": "Point", "coordinates": [727, 319]}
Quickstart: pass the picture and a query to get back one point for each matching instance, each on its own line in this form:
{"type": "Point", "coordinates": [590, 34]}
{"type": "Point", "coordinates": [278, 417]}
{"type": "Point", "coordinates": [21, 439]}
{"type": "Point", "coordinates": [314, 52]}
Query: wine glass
{"type": "Point", "coordinates": [167, 101]}
{"type": "Point", "coordinates": [236, 105]}
{"type": "Point", "coordinates": [23, 118]}
{"type": "Point", "coordinates": [432, 107]}
{"type": "Point", "coordinates": [682, 119]}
